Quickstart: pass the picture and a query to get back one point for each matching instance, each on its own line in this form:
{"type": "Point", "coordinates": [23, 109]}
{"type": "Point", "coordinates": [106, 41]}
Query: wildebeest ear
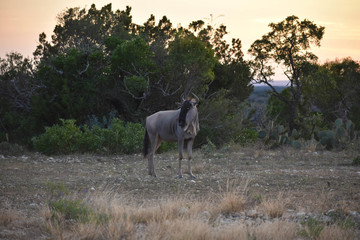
{"type": "Point", "coordinates": [193, 100]}
{"type": "Point", "coordinates": [196, 98]}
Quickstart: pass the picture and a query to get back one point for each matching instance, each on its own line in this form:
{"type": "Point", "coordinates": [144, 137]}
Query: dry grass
{"type": "Point", "coordinates": [180, 219]}
{"type": "Point", "coordinates": [274, 207]}
{"type": "Point", "coordinates": [178, 229]}
{"type": "Point", "coordinates": [245, 193]}
{"type": "Point", "coordinates": [233, 197]}
{"type": "Point", "coordinates": [334, 232]}
{"type": "Point", "coordinates": [7, 217]}
{"type": "Point", "coordinates": [277, 230]}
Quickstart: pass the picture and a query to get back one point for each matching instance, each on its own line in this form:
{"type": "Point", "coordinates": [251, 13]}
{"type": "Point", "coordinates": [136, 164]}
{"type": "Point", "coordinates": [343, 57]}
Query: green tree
{"type": "Point", "coordinates": [17, 87]}
{"type": "Point", "coordinates": [72, 85]}
{"type": "Point", "coordinates": [277, 109]}
{"type": "Point", "coordinates": [334, 88]}
{"type": "Point", "coordinates": [192, 62]}
{"type": "Point", "coordinates": [288, 45]}
{"type": "Point", "coordinates": [132, 67]}
{"type": "Point", "coordinates": [86, 29]}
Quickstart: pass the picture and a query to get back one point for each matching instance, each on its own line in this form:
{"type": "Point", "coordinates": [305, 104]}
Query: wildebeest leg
{"type": "Point", "coordinates": [180, 147]}
{"type": "Point", "coordinates": [155, 142]}
{"type": "Point", "coordinates": [189, 152]}
{"type": "Point", "coordinates": [158, 143]}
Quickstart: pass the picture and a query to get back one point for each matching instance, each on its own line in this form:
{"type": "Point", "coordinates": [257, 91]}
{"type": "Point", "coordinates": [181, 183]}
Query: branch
{"type": "Point", "coordinates": [86, 68]}
{"type": "Point", "coordinates": [266, 81]}
{"type": "Point", "coordinates": [165, 91]}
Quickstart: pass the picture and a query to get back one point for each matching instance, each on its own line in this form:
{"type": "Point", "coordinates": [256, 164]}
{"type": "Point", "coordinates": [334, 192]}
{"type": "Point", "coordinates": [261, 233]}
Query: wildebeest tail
{"type": "Point", "coordinates": [145, 149]}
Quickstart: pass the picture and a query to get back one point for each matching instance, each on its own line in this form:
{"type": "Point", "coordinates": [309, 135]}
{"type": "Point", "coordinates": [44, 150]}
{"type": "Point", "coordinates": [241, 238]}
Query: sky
{"type": "Point", "coordinates": [21, 21]}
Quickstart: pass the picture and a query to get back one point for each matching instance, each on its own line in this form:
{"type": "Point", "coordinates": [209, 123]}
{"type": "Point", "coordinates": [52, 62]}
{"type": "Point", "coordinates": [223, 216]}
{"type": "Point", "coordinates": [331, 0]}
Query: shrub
{"type": "Point", "coordinates": [69, 138]}
{"type": "Point", "coordinates": [132, 138]}
{"type": "Point", "coordinates": [71, 209]}
{"type": "Point", "coordinates": [59, 138]}
{"type": "Point", "coordinates": [91, 140]}
{"type": "Point", "coordinates": [11, 149]}
{"type": "Point", "coordinates": [356, 161]}
{"type": "Point", "coordinates": [247, 136]}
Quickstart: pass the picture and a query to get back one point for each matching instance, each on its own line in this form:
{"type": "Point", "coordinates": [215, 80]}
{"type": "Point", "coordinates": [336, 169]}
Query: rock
{"type": "Point", "coordinates": [182, 211]}
{"type": "Point", "coordinates": [252, 213]}
{"type": "Point", "coordinates": [355, 214]}
{"type": "Point", "coordinates": [326, 219]}
{"type": "Point", "coordinates": [300, 214]}
{"type": "Point", "coordinates": [205, 216]}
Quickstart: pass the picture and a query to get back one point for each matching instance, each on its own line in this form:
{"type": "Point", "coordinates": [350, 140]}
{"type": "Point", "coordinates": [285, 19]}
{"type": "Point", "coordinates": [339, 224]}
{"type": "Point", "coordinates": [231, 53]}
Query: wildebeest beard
{"type": "Point", "coordinates": [184, 110]}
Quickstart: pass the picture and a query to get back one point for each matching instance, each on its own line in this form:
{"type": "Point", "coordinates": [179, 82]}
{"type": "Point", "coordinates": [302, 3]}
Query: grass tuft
{"type": "Point", "coordinates": [274, 207]}
{"type": "Point", "coordinates": [233, 198]}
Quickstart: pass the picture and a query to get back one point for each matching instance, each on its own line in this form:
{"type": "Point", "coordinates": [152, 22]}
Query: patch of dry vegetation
{"type": "Point", "coordinates": [240, 193]}
{"type": "Point", "coordinates": [185, 218]}
{"type": "Point", "coordinates": [233, 198]}
{"type": "Point", "coordinates": [177, 219]}
{"type": "Point", "coordinates": [274, 207]}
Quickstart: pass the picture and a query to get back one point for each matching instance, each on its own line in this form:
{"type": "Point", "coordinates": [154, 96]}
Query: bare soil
{"type": "Point", "coordinates": [309, 182]}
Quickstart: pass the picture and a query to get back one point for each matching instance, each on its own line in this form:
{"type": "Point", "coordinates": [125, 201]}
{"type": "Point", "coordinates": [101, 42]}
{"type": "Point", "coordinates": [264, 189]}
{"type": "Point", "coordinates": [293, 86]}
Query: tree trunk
{"type": "Point", "coordinates": [293, 112]}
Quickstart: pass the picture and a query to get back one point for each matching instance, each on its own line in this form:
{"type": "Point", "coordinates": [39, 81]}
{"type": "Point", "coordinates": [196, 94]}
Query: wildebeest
{"type": "Point", "coordinates": [180, 126]}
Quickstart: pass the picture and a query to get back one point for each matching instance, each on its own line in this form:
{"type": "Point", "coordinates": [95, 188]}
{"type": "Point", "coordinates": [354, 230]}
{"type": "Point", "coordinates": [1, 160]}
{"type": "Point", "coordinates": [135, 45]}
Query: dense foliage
{"type": "Point", "coordinates": [100, 65]}
{"type": "Point", "coordinates": [69, 138]}
{"type": "Point", "coordinates": [99, 62]}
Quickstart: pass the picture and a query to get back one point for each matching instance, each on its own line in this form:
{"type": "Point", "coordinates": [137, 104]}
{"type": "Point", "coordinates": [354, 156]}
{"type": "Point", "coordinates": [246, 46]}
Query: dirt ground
{"type": "Point", "coordinates": [308, 181]}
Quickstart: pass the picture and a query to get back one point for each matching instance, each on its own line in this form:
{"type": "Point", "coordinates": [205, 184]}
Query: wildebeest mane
{"type": "Point", "coordinates": [185, 107]}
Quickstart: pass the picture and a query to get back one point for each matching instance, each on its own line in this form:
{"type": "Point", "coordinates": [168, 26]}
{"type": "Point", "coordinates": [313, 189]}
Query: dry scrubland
{"type": "Point", "coordinates": [239, 193]}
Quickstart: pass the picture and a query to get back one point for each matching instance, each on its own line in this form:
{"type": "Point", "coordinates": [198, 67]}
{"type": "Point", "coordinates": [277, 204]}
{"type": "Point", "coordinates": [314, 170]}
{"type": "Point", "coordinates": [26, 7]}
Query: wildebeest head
{"type": "Point", "coordinates": [185, 107]}
{"type": "Point", "coordinates": [188, 112]}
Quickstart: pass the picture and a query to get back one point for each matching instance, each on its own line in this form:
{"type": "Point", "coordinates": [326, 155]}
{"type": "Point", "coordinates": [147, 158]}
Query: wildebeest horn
{"type": "Point", "coordinates": [182, 98]}
{"type": "Point", "coordinates": [196, 98]}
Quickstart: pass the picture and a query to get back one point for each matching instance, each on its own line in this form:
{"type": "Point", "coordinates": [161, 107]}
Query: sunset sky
{"type": "Point", "coordinates": [21, 21]}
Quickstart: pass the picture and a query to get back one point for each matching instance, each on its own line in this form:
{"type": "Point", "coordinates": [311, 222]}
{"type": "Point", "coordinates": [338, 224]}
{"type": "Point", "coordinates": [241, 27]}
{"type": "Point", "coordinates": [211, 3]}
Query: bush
{"type": "Point", "coordinates": [356, 161]}
{"type": "Point", "coordinates": [247, 136]}
{"type": "Point", "coordinates": [69, 138]}
{"type": "Point", "coordinates": [58, 139]}
{"type": "Point", "coordinates": [131, 139]}
{"type": "Point", "coordinates": [71, 209]}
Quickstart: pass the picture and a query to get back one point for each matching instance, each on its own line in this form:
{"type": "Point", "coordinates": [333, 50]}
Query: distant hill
{"type": "Point", "coordinates": [258, 99]}
{"type": "Point", "coordinates": [261, 93]}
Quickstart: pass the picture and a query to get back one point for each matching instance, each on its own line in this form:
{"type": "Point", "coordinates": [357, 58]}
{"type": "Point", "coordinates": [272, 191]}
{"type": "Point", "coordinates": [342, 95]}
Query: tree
{"type": "Point", "coordinates": [86, 29]}
{"type": "Point", "coordinates": [98, 61]}
{"type": "Point", "coordinates": [287, 45]}
{"type": "Point", "coordinates": [334, 88]}
{"type": "Point", "coordinates": [72, 87]}
{"type": "Point", "coordinates": [192, 62]}
{"type": "Point", "coordinates": [17, 87]}
{"type": "Point", "coordinates": [132, 67]}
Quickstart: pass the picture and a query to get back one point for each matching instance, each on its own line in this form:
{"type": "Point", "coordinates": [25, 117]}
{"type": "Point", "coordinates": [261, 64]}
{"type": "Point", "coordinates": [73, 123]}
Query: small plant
{"type": "Point", "coordinates": [340, 218]}
{"type": "Point", "coordinates": [279, 135]}
{"type": "Point", "coordinates": [71, 209]}
{"type": "Point", "coordinates": [57, 190]}
{"type": "Point", "coordinates": [167, 146]}
{"type": "Point", "coordinates": [339, 136]}
{"type": "Point", "coordinates": [313, 228]}
{"type": "Point", "coordinates": [274, 207]}
{"type": "Point", "coordinates": [11, 149]}
{"type": "Point", "coordinates": [209, 148]}
{"type": "Point", "coordinates": [356, 161]}
{"type": "Point", "coordinates": [247, 136]}
{"type": "Point", "coordinates": [233, 198]}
